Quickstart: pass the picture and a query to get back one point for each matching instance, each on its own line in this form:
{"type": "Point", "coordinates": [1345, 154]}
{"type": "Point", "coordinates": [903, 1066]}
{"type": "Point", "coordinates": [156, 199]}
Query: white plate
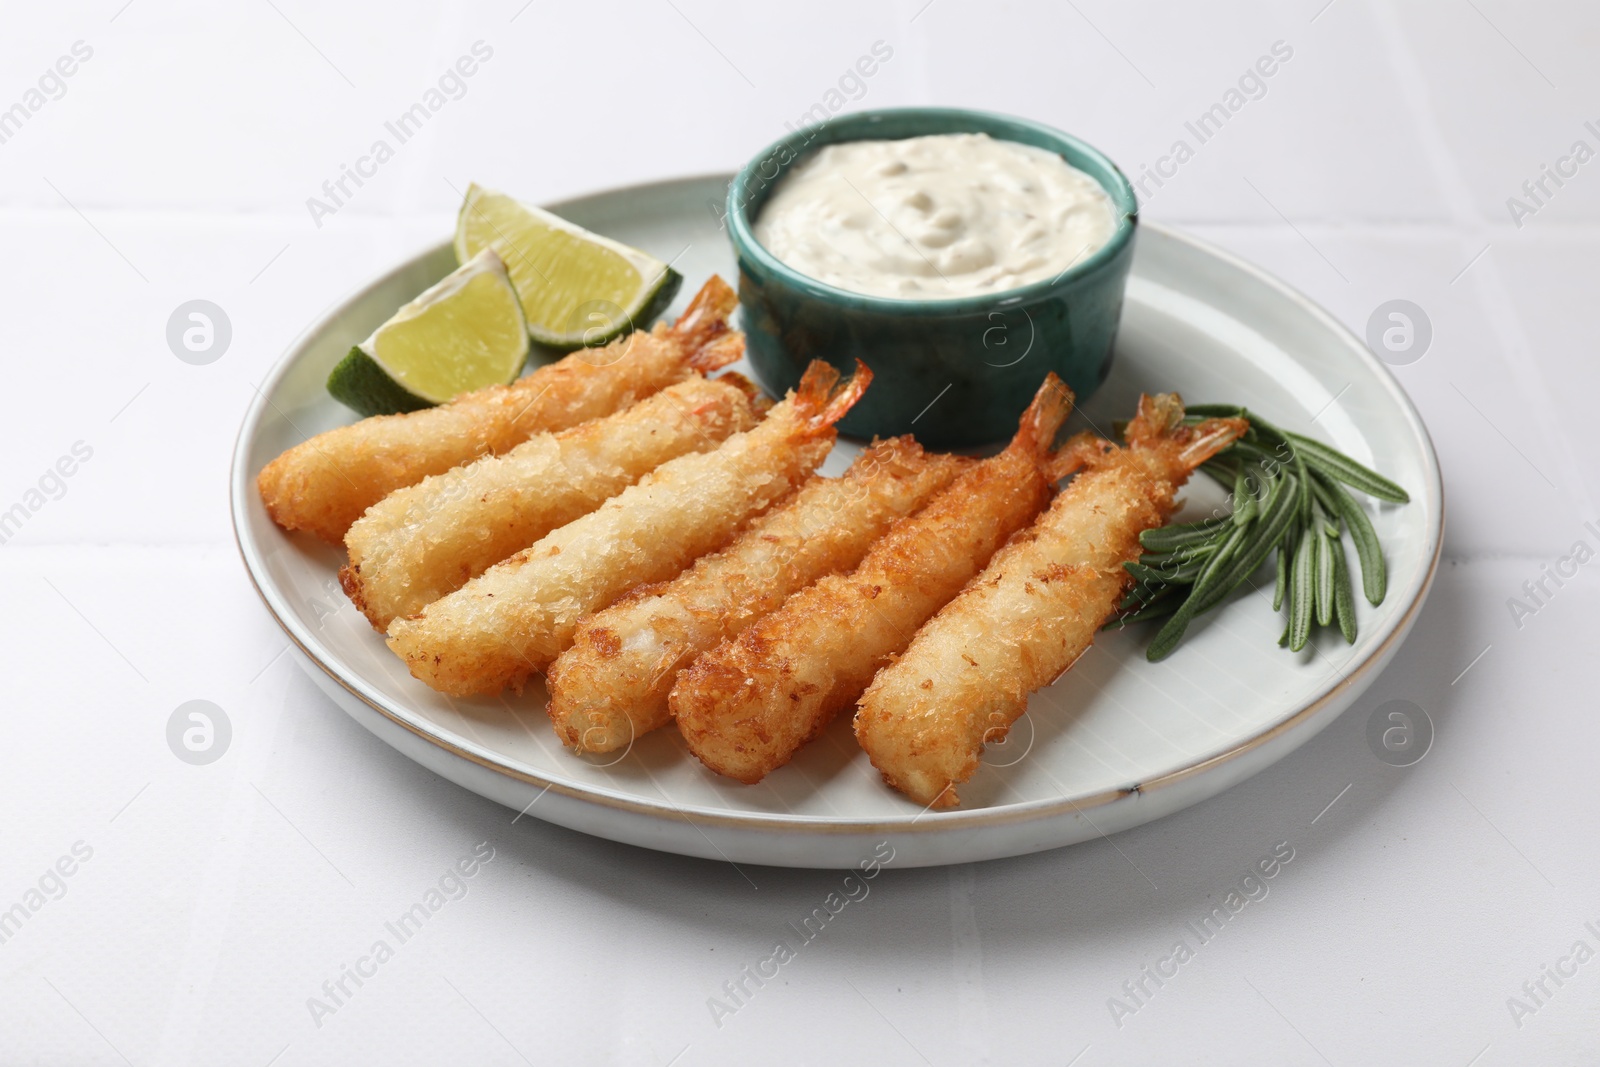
{"type": "Point", "coordinates": [1117, 742]}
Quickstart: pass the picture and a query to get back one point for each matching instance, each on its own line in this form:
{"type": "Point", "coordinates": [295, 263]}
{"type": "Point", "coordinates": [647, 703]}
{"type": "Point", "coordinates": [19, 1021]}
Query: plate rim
{"type": "Point", "coordinates": [241, 483]}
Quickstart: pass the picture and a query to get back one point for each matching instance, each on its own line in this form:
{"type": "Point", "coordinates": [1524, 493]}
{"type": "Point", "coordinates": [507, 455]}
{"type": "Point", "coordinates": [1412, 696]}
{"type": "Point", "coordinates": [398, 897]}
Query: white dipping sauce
{"type": "Point", "coordinates": [949, 215]}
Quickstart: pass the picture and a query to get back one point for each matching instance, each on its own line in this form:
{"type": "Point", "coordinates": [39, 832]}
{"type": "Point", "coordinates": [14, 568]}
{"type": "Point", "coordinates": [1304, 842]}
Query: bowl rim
{"type": "Point", "coordinates": [799, 146]}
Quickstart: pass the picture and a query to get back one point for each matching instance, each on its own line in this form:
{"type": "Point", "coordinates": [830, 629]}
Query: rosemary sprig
{"type": "Point", "coordinates": [1289, 500]}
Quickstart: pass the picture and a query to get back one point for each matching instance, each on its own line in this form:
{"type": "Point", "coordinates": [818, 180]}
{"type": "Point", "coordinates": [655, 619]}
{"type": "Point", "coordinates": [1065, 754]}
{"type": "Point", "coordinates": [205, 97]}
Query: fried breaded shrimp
{"type": "Point", "coordinates": [516, 617]}
{"type": "Point", "coordinates": [324, 484]}
{"type": "Point", "coordinates": [1035, 609]}
{"type": "Point", "coordinates": [748, 705]}
{"type": "Point", "coordinates": [612, 684]}
{"type": "Point", "coordinates": [426, 540]}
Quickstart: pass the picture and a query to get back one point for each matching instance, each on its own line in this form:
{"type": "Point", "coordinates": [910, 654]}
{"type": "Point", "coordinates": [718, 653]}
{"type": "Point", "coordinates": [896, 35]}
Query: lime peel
{"type": "Point", "coordinates": [463, 333]}
{"type": "Point", "coordinates": [577, 288]}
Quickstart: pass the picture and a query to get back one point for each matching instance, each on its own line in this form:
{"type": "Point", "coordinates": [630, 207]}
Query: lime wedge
{"type": "Point", "coordinates": [577, 287]}
{"type": "Point", "coordinates": [464, 333]}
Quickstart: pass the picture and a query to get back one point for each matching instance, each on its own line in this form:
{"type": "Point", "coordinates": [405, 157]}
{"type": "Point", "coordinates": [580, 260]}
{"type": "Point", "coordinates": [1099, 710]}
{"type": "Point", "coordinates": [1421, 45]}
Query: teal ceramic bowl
{"type": "Point", "coordinates": [956, 372]}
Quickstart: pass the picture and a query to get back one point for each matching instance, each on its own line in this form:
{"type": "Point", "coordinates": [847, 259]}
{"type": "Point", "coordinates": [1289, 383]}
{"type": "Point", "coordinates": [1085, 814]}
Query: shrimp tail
{"type": "Point", "coordinates": [760, 403]}
{"type": "Point", "coordinates": [1209, 438]}
{"type": "Point", "coordinates": [717, 353]}
{"type": "Point", "coordinates": [1159, 417]}
{"type": "Point", "coordinates": [1080, 450]}
{"type": "Point", "coordinates": [706, 317]}
{"type": "Point", "coordinates": [1160, 420]}
{"type": "Point", "coordinates": [1037, 429]}
{"type": "Point", "coordinates": [821, 400]}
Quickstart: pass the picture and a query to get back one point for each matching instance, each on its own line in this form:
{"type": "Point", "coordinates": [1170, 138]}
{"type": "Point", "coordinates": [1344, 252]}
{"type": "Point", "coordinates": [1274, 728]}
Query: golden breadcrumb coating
{"type": "Point", "coordinates": [1032, 612]}
{"type": "Point", "coordinates": [426, 540]}
{"type": "Point", "coordinates": [747, 706]}
{"type": "Point", "coordinates": [612, 684]}
{"type": "Point", "coordinates": [324, 484]}
{"type": "Point", "coordinates": [511, 621]}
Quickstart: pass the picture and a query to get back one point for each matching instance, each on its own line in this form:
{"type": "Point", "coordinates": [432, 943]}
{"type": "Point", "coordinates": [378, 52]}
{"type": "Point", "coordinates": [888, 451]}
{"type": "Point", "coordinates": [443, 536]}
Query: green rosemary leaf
{"type": "Point", "coordinates": [1198, 412]}
{"type": "Point", "coordinates": [1340, 466]}
{"type": "Point", "coordinates": [1171, 538]}
{"type": "Point", "coordinates": [1155, 609]}
{"type": "Point", "coordinates": [1244, 498]}
{"type": "Point", "coordinates": [1186, 573]}
{"type": "Point", "coordinates": [1142, 596]}
{"type": "Point", "coordinates": [1214, 586]}
{"type": "Point", "coordinates": [1135, 598]}
{"type": "Point", "coordinates": [1220, 559]}
{"type": "Point", "coordinates": [1323, 490]}
{"type": "Point", "coordinates": [1169, 635]}
{"type": "Point", "coordinates": [1165, 574]}
{"type": "Point", "coordinates": [1344, 607]}
{"type": "Point", "coordinates": [1301, 592]}
{"type": "Point", "coordinates": [1268, 438]}
{"type": "Point", "coordinates": [1179, 556]}
{"type": "Point", "coordinates": [1279, 512]}
{"type": "Point", "coordinates": [1281, 587]}
{"type": "Point", "coordinates": [1374, 573]}
{"type": "Point", "coordinates": [1276, 455]}
{"type": "Point", "coordinates": [1324, 565]}
{"type": "Point", "coordinates": [1257, 452]}
{"type": "Point", "coordinates": [1223, 467]}
{"type": "Point", "coordinates": [1142, 575]}
{"type": "Point", "coordinates": [1145, 589]}
{"type": "Point", "coordinates": [1304, 475]}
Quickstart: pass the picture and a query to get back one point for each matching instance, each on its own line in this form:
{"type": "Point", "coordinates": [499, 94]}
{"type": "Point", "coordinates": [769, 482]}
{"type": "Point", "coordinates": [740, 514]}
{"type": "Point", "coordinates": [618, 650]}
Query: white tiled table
{"type": "Point", "coordinates": [216, 900]}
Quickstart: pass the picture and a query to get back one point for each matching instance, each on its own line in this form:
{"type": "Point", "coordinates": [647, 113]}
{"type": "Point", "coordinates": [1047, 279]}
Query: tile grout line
{"type": "Point", "coordinates": [1499, 307]}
